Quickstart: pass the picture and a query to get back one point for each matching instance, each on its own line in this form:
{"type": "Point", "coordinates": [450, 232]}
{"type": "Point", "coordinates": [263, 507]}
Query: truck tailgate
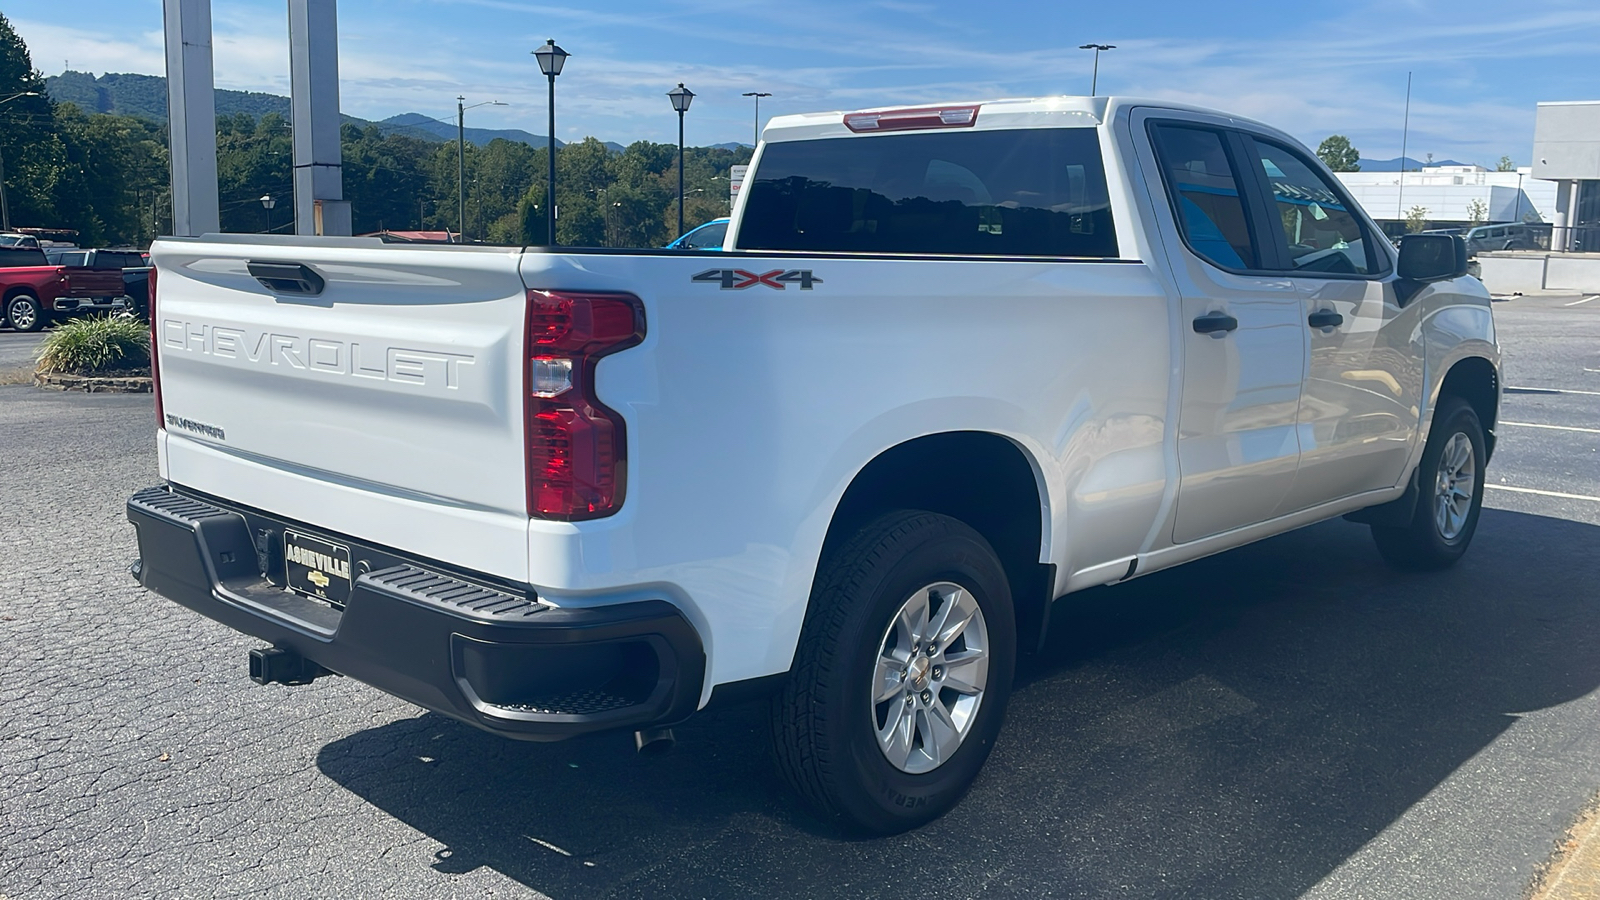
{"type": "Point", "coordinates": [83, 281]}
{"type": "Point", "coordinates": [388, 405]}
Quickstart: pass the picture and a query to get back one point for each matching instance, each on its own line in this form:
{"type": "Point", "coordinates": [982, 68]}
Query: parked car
{"type": "Point", "coordinates": [959, 362]}
{"type": "Point", "coordinates": [35, 292]}
{"type": "Point", "coordinates": [95, 259]}
{"type": "Point", "coordinates": [709, 236]}
{"type": "Point", "coordinates": [1508, 236]}
{"type": "Point", "coordinates": [8, 239]}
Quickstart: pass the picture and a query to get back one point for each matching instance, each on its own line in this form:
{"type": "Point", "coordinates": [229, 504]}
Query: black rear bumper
{"type": "Point", "coordinates": [486, 653]}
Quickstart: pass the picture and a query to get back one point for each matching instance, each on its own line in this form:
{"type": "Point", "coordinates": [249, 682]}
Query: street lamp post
{"type": "Point", "coordinates": [681, 97]}
{"type": "Point", "coordinates": [461, 161]}
{"type": "Point", "coordinates": [267, 203]}
{"type": "Point", "coordinates": [5, 207]}
{"type": "Point", "coordinates": [1094, 80]}
{"type": "Point", "coordinates": [758, 95]}
{"type": "Point", "coordinates": [551, 58]}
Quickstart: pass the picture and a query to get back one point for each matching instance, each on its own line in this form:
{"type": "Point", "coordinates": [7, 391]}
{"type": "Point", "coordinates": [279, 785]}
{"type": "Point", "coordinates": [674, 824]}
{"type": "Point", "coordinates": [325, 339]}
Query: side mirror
{"type": "Point", "coordinates": [1432, 257]}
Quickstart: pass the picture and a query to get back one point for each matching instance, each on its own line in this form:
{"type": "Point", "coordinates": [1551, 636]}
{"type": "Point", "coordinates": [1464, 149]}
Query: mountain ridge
{"type": "Point", "coordinates": [145, 97]}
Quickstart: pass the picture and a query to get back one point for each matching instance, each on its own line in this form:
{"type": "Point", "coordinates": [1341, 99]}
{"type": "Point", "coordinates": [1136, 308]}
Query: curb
{"type": "Point", "coordinates": [94, 384]}
{"type": "Point", "coordinates": [1573, 873]}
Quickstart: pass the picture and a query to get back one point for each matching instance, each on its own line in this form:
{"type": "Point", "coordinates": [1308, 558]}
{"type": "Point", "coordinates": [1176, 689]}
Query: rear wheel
{"type": "Point", "coordinates": [24, 313]}
{"type": "Point", "coordinates": [1451, 481]}
{"type": "Point", "coordinates": [902, 674]}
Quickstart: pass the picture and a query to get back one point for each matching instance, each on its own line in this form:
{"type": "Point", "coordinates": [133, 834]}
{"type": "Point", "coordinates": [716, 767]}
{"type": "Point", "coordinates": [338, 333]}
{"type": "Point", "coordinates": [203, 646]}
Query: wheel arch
{"type": "Point", "coordinates": [983, 479]}
{"type": "Point", "coordinates": [1477, 381]}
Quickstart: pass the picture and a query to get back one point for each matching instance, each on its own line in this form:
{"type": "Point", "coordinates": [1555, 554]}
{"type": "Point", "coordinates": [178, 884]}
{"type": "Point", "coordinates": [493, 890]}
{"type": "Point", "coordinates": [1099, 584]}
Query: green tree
{"type": "Point", "coordinates": [1416, 219]}
{"type": "Point", "coordinates": [255, 159]}
{"type": "Point", "coordinates": [117, 166]}
{"type": "Point", "coordinates": [386, 179]}
{"type": "Point", "coordinates": [33, 157]}
{"type": "Point", "coordinates": [1477, 211]}
{"type": "Point", "coordinates": [1506, 165]}
{"type": "Point", "coordinates": [1337, 154]}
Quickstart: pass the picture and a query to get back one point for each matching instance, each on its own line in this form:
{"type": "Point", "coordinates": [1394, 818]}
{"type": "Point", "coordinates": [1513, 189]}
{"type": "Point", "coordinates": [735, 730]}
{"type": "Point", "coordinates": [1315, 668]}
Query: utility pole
{"type": "Point", "coordinates": [461, 162]}
{"type": "Point", "coordinates": [461, 168]}
{"type": "Point", "coordinates": [5, 207]}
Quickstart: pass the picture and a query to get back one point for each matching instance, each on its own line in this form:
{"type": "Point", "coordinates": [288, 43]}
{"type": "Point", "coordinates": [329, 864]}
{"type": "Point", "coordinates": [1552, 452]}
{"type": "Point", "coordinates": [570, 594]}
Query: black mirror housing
{"type": "Point", "coordinates": [1432, 257]}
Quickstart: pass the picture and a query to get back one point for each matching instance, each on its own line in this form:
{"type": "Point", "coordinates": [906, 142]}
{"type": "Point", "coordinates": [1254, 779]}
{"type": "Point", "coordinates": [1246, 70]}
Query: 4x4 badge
{"type": "Point", "coordinates": [739, 279]}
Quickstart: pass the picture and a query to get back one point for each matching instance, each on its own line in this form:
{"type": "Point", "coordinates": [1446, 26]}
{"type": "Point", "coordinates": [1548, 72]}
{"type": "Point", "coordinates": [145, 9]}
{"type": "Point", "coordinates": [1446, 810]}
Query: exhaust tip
{"type": "Point", "coordinates": [653, 741]}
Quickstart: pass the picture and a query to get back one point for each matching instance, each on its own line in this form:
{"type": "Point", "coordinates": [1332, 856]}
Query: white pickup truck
{"type": "Point", "coordinates": [953, 364]}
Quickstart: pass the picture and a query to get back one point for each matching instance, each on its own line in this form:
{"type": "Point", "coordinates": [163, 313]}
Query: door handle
{"type": "Point", "coordinates": [1325, 318]}
{"type": "Point", "coordinates": [1215, 323]}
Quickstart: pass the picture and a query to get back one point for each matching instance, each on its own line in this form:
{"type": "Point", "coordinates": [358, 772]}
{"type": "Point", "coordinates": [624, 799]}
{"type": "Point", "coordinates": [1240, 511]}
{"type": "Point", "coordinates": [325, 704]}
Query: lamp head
{"type": "Point", "coordinates": [681, 97]}
{"type": "Point", "coordinates": [551, 58]}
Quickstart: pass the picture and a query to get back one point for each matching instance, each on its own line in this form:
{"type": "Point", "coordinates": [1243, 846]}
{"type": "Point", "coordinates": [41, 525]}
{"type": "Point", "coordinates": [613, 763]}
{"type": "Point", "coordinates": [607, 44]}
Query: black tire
{"type": "Point", "coordinates": [823, 726]}
{"type": "Point", "coordinates": [25, 308]}
{"type": "Point", "coordinates": [1423, 545]}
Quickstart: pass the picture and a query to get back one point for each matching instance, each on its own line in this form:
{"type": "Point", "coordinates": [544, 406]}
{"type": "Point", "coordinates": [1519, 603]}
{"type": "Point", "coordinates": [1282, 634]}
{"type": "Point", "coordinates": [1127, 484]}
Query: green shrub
{"type": "Point", "coordinates": [96, 344]}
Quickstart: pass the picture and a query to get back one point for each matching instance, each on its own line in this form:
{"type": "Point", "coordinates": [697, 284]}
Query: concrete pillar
{"type": "Point", "coordinates": [192, 118]}
{"type": "Point", "coordinates": [1565, 210]}
{"type": "Point", "coordinates": [319, 204]}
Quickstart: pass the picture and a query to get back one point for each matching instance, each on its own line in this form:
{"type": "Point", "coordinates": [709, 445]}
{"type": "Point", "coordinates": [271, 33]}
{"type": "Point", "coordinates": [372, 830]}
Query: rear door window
{"type": "Point", "coordinates": [19, 257]}
{"type": "Point", "coordinates": [1205, 195]}
{"type": "Point", "coordinates": [1035, 192]}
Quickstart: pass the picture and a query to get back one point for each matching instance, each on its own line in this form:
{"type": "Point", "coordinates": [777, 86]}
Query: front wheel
{"type": "Point", "coordinates": [902, 674]}
{"type": "Point", "coordinates": [24, 313]}
{"type": "Point", "coordinates": [1451, 481]}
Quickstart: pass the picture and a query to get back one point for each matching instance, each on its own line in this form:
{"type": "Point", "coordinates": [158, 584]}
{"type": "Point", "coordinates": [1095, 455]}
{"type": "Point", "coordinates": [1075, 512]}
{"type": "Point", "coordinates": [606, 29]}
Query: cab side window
{"type": "Point", "coordinates": [1205, 195]}
{"type": "Point", "coordinates": [1322, 233]}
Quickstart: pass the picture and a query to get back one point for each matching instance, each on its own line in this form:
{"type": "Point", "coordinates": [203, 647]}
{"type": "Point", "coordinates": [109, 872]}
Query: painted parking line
{"type": "Point", "coordinates": [1553, 427]}
{"type": "Point", "coordinates": [1583, 301]}
{"type": "Point", "coordinates": [1523, 490]}
{"type": "Point", "coordinates": [1533, 390]}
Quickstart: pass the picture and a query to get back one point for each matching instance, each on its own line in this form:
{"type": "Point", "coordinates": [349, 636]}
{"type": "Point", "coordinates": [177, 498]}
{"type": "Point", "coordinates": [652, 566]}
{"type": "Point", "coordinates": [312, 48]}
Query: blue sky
{"type": "Point", "coordinates": [1312, 69]}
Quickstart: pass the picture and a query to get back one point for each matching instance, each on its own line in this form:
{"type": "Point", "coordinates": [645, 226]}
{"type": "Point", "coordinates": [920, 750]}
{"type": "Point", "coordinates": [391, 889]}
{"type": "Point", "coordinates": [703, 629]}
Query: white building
{"type": "Point", "coordinates": [1566, 150]}
{"type": "Point", "coordinates": [1448, 193]}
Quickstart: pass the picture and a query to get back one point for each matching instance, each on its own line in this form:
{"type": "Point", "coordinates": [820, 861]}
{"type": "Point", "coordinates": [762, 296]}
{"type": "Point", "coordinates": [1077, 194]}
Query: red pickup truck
{"type": "Point", "coordinates": [33, 293]}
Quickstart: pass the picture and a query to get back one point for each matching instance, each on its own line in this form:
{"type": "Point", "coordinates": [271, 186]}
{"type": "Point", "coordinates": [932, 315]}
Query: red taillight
{"type": "Point", "coordinates": [906, 119]}
{"type": "Point", "coordinates": [155, 335]}
{"type": "Point", "coordinates": [575, 445]}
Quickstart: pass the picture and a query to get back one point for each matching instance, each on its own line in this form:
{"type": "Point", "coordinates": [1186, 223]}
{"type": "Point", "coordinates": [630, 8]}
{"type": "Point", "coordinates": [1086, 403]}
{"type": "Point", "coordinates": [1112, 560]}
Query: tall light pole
{"type": "Point", "coordinates": [1094, 81]}
{"type": "Point", "coordinates": [461, 162]}
{"type": "Point", "coordinates": [1405, 132]}
{"type": "Point", "coordinates": [551, 58]}
{"type": "Point", "coordinates": [267, 203]}
{"type": "Point", "coordinates": [681, 97]}
{"type": "Point", "coordinates": [758, 95]}
{"type": "Point", "coordinates": [5, 208]}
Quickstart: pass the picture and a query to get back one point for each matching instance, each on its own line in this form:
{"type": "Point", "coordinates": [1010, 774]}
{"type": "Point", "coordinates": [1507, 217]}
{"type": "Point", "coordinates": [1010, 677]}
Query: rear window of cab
{"type": "Point", "coordinates": [1026, 192]}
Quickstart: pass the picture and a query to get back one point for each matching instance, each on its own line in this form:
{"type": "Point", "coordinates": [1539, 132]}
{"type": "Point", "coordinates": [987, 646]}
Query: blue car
{"type": "Point", "coordinates": [706, 237]}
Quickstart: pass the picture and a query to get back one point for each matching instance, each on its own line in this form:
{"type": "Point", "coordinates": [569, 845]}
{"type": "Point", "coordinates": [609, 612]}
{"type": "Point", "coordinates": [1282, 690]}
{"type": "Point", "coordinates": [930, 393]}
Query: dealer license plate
{"type": "Point", "coordinates": [316, 568]}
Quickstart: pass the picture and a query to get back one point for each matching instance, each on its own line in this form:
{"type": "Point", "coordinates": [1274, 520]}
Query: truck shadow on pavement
{"type": "Point", "coordinates": [1236, 727]}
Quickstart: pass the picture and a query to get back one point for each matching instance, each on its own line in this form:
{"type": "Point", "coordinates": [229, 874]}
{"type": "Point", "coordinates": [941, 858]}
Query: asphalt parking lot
{"type": "Point", "coordinates": [1288, 719]}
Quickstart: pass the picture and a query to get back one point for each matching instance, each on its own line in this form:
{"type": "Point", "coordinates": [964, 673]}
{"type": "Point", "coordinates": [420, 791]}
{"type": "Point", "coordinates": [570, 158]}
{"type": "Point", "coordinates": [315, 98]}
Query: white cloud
{"type": "Point", "coordinates": [1314, 73]}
